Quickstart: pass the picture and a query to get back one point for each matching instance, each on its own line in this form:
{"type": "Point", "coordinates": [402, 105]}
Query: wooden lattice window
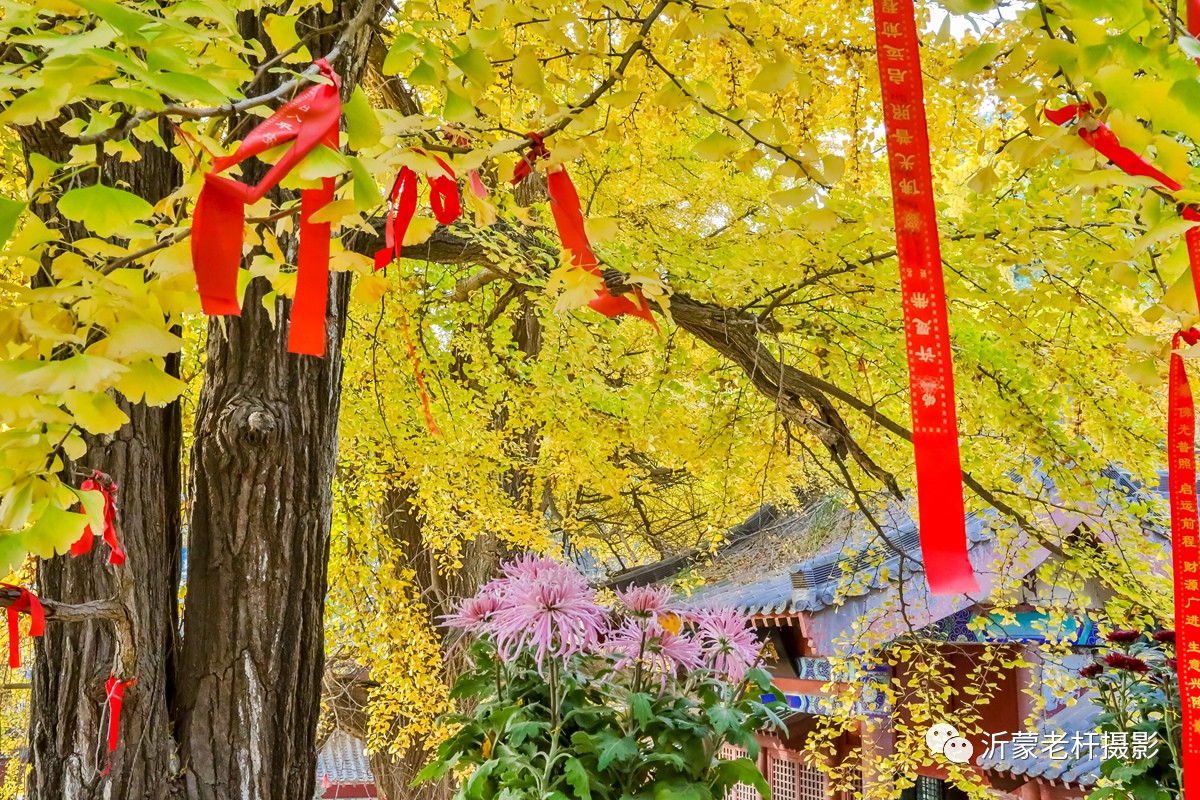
{"type": "Point", "coordinates": [814, 785]}
{"type": "Point", "coordinates": [783, 780]}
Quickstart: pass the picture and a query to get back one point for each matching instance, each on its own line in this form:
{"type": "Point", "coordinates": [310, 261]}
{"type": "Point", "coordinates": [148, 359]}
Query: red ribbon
{"type": "Point", "coordinates": [26, 601]}
{"type": "Point", "coordinates": [536, 151]}
{"type": "Point", "coordinates": [1105, 142]}
{"type": "Point", "coordinates": [930, 373]}
{"type": "Point", "coordinates": [114, 696]}
{"type": "Point", "coordinates": [568, 218]}
{"type": "Point", "coordinates": [1181, 454]}
{"type": "Point", "coordinates": [402, 207]}
{"type": "Point", "coordinates": [84, 545]}
{"type": "Point", "coordinates": [1193, 19]}
{"type": "Point", "coordinates": [311, 118]}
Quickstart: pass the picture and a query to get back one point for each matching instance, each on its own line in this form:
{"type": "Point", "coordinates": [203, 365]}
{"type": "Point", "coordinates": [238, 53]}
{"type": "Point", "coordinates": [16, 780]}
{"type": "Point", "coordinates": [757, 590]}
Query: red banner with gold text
{"type": "Point", "coordinates": [1181, 465]}
{"type": "Point", "coordinates": [927, 337]}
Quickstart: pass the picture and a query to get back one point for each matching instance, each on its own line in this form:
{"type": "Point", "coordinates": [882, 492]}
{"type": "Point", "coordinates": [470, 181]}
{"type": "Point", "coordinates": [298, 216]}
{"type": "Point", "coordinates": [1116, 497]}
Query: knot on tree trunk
{"type": "Point", "coordinates": [253, 422]}
{"type": "Point", "coordinates": [260, 427]}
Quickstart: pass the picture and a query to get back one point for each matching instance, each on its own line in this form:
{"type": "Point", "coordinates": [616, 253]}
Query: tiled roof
{"type": "Point", "coordinates": [814, 584]}
{"type": "Point", "coordinates": [343, 759]}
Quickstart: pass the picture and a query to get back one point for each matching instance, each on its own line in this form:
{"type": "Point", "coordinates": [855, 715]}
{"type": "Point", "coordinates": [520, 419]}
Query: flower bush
{"type": "Point", "coordinates": [569, 698]}
{"type": "Point", "coordinates": [1138, 684]}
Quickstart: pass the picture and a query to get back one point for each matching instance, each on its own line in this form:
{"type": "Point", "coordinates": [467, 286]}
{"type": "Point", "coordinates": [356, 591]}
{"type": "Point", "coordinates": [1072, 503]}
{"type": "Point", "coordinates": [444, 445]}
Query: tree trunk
{"type": "Point", "coordinates": [72, 661]}
{"type": "Point", "coordinates": [258, 542]}
{"type": "Point", "coordinates": [230, 711]}
{"type": "Point", "coordinates": [249, 678]}
{"type": "Point", "coordinates": [481, 558]}
{"type": "Point", "coordinates": [67, 737]}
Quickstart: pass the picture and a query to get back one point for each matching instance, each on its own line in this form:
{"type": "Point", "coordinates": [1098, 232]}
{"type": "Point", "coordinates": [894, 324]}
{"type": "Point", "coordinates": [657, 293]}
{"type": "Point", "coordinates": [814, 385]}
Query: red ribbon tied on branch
{"type": "Point", "coordinates": [114, 697]}
{"type": "Point", "coordinates": [1181, 466]}
{"type": "Point", "coordinates": [926, 327]}
{"type": "Point", "coordinates": [1106, 143]}
{"type": "Point", "coordinates": [309, 119]}
{"type": "Point", "coordinates": [26, 601]}
{"type": "Point", "coordinates": [568, 219]}
{"type": "Point", "coordinates": [107, 488]}
{"type": "Point", "coordinates": [402, 207]}
{"type": "Point", "coordinates": [1101, 137]}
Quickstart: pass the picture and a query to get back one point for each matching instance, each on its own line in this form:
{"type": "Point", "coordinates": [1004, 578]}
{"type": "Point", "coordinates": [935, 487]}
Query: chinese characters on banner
{"type": "Point", "coordinates": [1181, 465]}
{"type": "Point", "coordinates": [930, 376]}
{"type": "Point", "coordinates": [1181, 429]}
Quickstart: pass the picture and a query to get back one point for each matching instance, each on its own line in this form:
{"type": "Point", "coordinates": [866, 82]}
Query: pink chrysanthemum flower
{"type": "Point", "coordinates": [646, 602]}
{"type": "Point", "coordinates": [728, 643]}
{"type": "Point", "coordinates": [530, 567]}
{"type": "Point", "coordinates": [473, 613]}
{"type": "Point", "coordinates": [554, 613]}
{"type": "Point", "coordinates": [527, 569]}
{"type": "Point", "coordinates": [660, 650]}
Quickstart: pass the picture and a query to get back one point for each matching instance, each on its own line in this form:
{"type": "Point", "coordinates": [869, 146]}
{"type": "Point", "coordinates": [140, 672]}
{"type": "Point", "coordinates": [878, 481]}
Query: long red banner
{"type": "Point", "coordinates": [1181, 432]}
{"type": "Point", "coordinates": [1181, 466]}
{"type": "Point", "coordinates": [926, 332]}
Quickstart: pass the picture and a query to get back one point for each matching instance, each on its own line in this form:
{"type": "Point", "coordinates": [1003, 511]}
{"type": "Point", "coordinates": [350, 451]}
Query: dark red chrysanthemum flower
{"type": "Point", "coordinates": [1120, 661]}
{"type": "Point", "coordinates": [1165, 637]}
{"type": "Point", "coordinates": [1124, 636]}
{"type": "Point", "coordinates": [1091, 670]}
{"type": "Point", "coordinates": [1172, 664]}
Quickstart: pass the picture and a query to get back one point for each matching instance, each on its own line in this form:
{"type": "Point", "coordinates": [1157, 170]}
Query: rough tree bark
{"type": "Point", "coordinates": [74, 658]}
{"type": "Point", "coordinates": [231, 710]}
{"type": "Point", "coordinates": [249, 678]}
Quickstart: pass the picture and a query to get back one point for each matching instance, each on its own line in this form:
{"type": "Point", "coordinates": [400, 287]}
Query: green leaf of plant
{"type": "Point", "coordinates": [435, 770]}
{"type": "Point", "coordinates": [616, 750]}
{"type": "Point", "coordinates": [103, 209]}
{"type": "Point", "coordinates": [975, 60]}
{"type": "Point", "coordinates": [144, 380]}
{"type": "Point", "coordinates": [10, 212]}
{"type": "Point", "coordinates": [716, 147]}
{"type": "Point", "coordinates": [683, 790]}
{"type": "Point", "coordinates": [183, 86]}
{"type": "Point", "coordinates": [641, 706]}
{"type": "Point", "coordinates": [282, 31]}
{"type": "Point", "coordinates": [362, 126]}
{"type": "Point", "coordinates": [740, 770]}
{"type": "Point", "coordinates": [95, 412]}
{"type": "Point", "coordinates": [475, 66]}
{"type": "Point", "coordinates": [458, 108]}
{"type": "Point", "coordinates": [366, 192]}
{"type": "Point", "coordinates": [403, 52]}
{"type": "Point", "coordinates": [127, 22]}
{"type": "Point", "coordinates": [774, 76]}
{"type": "Point", "coordinates": [577, 777]}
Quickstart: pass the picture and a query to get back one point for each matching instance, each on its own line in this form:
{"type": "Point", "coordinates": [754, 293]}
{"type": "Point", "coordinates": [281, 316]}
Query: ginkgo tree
{"type": "Point", "coordinates": [731, 165]}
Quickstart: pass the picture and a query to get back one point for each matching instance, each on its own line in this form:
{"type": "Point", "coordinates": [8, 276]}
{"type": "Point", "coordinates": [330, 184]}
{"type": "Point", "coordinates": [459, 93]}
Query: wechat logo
{"type": "Point", "coordinates": [943, 740]}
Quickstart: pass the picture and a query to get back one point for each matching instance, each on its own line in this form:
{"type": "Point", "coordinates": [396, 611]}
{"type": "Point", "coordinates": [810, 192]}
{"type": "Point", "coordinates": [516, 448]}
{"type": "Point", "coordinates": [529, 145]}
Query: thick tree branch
{"type": "Point", "coordinates": [65, 612]}
{"type": "Point", "coordinates": [122, 129]}
{"type": "Point", "coordinates": [738, 335]}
